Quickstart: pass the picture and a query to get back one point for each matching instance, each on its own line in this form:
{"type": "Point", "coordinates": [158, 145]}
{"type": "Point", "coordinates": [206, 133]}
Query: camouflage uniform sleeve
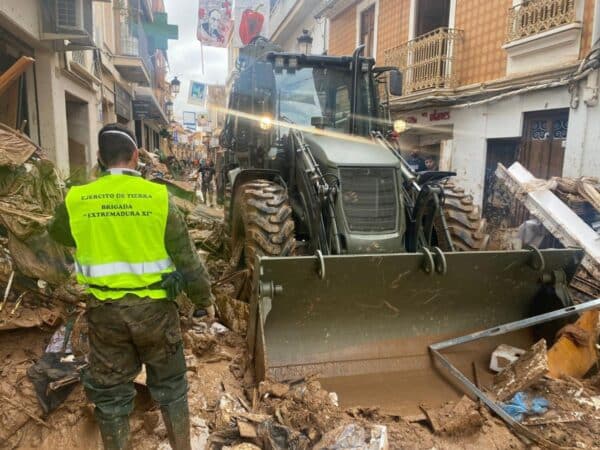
{"type": "Point", "coordinates": [59, 227]}
{"type": "Point", "coordinates": [182, 252]}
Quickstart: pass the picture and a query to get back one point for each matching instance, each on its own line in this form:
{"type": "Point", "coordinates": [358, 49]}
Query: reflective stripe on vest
{"type": "Point", "coordinates": [118, 268]}
{"type": "Point", "coordinates": [119, 223]}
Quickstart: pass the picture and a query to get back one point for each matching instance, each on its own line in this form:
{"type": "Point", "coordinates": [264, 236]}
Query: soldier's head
{"type": "Point", "coordinates": [117, 147]}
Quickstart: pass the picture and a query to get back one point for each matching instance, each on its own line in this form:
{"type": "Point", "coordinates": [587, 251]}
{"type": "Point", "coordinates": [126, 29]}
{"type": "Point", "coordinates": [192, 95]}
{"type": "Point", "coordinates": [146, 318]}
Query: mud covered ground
{"type": "Point", "coordinates": [229, 408]}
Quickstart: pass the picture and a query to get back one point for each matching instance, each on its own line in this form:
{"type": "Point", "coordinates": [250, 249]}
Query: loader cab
{"type": "Point", "coordinates": [248, 124]}
{"type": "Point", "coordinates": [321, 92]}
{"type": "Point", "coordinates": [307, 91]}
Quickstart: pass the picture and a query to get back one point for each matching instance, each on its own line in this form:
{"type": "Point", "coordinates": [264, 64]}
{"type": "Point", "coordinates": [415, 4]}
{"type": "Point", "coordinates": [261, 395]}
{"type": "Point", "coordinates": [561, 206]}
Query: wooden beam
{"type": "Point", "coordinates": [560, 220]}
{"type": "Point", "coordinates": [14, 72]}
{"type": "Point", "coordinates": [525, 371]}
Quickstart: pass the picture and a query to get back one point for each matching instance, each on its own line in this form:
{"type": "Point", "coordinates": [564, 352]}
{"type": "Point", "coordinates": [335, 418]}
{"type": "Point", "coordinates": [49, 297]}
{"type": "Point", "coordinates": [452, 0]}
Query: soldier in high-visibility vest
{"type": "Point", "coordinates": [134, 255]}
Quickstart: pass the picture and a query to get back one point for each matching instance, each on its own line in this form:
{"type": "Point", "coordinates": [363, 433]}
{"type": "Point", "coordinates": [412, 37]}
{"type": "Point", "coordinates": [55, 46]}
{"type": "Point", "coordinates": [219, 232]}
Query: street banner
{"type": "Point", "coordinates": [214, 22]}
{"type": "Point", "coordinates": [197, 93]}
{"type": "Point", "coordinates": [251, 19]}
{"type": "Point", "coordinates": [189, 120]}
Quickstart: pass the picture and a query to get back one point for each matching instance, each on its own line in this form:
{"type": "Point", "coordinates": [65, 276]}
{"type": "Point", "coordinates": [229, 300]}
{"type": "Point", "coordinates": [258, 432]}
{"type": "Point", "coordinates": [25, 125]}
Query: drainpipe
{"type": "Point", "coordinates": [591, 88]}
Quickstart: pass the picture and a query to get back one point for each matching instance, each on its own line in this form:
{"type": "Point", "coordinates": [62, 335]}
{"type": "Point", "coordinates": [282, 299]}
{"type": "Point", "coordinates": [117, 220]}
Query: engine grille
{"type": "Point", "coordinates": [369, 199]}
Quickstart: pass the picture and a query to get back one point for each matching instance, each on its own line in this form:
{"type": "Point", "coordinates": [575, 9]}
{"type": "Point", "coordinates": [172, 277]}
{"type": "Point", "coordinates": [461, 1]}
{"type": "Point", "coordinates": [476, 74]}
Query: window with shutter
{"type": "Point", "coordinates": [67, 14]}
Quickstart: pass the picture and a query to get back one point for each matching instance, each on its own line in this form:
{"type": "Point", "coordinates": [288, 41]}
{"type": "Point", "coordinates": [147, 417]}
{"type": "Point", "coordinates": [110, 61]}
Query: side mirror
{"type": "Point", "coordinates": [395, 82]}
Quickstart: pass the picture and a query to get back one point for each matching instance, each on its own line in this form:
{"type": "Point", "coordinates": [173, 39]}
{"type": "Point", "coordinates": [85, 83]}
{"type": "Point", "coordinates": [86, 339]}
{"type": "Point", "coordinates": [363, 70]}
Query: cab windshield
{"type": "Point", "coordinates": [324, 93]}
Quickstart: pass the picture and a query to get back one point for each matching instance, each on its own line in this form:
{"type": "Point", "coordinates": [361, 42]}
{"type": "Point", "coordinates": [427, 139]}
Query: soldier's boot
{"type": "Point", "coordinates": [115, 433]}
{"type": "Point", "coordinates": [177, 420]}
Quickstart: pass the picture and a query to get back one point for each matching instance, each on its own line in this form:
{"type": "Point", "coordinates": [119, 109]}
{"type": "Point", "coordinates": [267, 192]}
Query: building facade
{"type": "Point", "coordinates": [95, 62]}
{"type": "Point", "coordinates": [290, 19]}
{"type": "Point", "coordinates": [486, 81]}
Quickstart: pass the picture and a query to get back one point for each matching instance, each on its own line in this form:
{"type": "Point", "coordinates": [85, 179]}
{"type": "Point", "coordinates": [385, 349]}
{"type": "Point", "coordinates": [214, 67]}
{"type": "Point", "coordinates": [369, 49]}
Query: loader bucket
{"type": "Point", "coordinates": [363, 323]}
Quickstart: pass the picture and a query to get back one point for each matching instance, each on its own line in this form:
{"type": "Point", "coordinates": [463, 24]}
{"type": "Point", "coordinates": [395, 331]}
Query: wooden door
{"type": "Point", "coordinates": [542, 150]}
{"type": "Point", "coordinates": [544, 137]}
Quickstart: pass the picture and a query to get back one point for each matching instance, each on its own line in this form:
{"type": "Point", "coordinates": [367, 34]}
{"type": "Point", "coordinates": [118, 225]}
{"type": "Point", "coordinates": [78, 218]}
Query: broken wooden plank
{"type": "Point", "coordinates": [246, 430]}
{"type": "Point", "coordinates": [455, 419]}
{"type": "Point", "coordinates": [525, 371]}
{"type": "Point", "coordinates": [252, 417]}
{"type": "Point", "coordinates": [553, 213]}
{"type": "Point", "coordinates": [13, 73]}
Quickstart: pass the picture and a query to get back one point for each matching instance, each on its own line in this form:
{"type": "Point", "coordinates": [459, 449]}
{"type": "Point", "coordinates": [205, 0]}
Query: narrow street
{"type": "Point", "coordinates": [299, 224]}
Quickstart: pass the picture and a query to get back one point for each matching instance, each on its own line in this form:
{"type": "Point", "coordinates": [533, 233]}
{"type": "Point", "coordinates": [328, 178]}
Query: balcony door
{"type": "Point", "coordinates": [367, 30]}
{"type": "Point", "coordinates": [431, 15]}
{"type": "Point", "coordinates": [429, 53]}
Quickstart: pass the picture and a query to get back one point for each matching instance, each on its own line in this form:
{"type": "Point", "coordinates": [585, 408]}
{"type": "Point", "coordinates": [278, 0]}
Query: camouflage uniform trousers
{"type": "Point", "coordinates": [124, 335]}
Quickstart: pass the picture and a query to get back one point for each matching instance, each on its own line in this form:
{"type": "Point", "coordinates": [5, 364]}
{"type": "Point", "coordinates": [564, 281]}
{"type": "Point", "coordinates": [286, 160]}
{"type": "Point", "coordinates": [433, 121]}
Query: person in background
{"type": "Point", "coordinates": [208, 174]}
{"type": "Point", "coordinates": [431, 163]}
{"type": "Point", "coordinates": [415, 161]}
{"type": "Point", "coordinates": [133, 254]}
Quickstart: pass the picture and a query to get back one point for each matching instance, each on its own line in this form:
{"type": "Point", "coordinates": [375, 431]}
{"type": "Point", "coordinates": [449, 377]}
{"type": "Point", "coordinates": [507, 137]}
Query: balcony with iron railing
{"type": "Point", "coordinates": [133, 58]}
{"type": "Point", "coordinates": [427, 62]}
{"type": "Point", "coordinates": [536, 16]}
{"type": "Point", "coordinates": [542, 34]}
{"type": "Point", "coordinates": [84, 63]}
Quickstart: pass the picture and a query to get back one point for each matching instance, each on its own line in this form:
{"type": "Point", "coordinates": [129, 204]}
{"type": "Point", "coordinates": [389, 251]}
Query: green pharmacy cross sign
{"type": "Point", "coordinates": [159, 32]}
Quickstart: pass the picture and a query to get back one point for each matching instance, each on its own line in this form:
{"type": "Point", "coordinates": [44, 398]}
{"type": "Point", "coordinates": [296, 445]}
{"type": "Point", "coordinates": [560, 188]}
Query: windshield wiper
{"type": "Point", "coordinates": [285, 118]}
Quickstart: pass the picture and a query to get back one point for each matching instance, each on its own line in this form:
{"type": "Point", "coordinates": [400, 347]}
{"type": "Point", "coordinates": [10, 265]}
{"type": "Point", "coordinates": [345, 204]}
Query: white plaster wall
{"type": "Point", "coordinates": [548, 49]}
{"type": "Point", "coordinates": [582, 153]}
{"type": "Point", "coordinates": [468, 153]}
{"type": "Point", "coordinates": [502, 119]}
{"type": "Point", "coordinates": [317, 29]}
{"type": "Point", "coordinates": [590, 161]}
{"type": "Point", "coordinates": [23, 15]}
{"type": "Point", "coordinates": [279, 13]}
{"type": "Point", "coordinates": [52, 87]}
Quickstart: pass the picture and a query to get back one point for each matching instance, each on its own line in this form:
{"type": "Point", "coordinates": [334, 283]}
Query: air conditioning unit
{"type": "Point", "coordinates": [69, 23]}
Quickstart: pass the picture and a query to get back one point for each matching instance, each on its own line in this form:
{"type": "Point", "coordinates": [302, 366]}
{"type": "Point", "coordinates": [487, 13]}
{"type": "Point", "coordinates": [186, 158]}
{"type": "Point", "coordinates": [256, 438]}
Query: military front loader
{"type": "Point", "coordinates": [355, 263]}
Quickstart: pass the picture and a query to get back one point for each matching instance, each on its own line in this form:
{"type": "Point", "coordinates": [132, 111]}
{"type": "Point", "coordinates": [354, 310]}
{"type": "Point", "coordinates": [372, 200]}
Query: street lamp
{"type": "Point", "coordinates": [175, 86]}
{"type": "Point", "coordinates": [305, 41]}
{"type": "Point", "coordinates": [169, 108]}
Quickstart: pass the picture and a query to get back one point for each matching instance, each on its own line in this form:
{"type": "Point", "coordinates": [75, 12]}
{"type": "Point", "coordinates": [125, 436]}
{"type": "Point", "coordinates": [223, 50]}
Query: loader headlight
{"type": "Point", "coordinates": [400, 126]}
{"type": "Point", "coordinates": [266, 123]}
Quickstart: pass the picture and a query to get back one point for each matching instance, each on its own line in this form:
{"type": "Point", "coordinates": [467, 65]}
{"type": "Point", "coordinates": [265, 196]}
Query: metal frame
{"type": "Point", "coordinates": [499, 330]}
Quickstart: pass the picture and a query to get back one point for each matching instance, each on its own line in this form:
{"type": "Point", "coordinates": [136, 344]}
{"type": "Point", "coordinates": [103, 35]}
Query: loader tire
{"type": "Point", "coordinates": [262, 225]}
{"type": "Point", "coordinates": [463, 218]}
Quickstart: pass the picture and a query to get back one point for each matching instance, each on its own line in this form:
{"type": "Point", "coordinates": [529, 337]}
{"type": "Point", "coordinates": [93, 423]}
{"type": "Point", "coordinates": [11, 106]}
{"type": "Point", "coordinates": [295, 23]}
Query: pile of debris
{"type": "Point", "coordinates": [152, 167]}
{"type": "Point", "coordinates": [565, 208]}
{"type": "Point", "coordinates": [34, 270]}
{"type": "Point", "coordinates": [554, 393]}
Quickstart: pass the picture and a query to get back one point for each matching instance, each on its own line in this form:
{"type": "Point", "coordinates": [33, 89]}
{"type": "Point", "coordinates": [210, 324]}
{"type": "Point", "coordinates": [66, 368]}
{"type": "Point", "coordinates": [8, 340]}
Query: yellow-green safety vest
{"type": "Point", "coordinates": [118, 223]}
